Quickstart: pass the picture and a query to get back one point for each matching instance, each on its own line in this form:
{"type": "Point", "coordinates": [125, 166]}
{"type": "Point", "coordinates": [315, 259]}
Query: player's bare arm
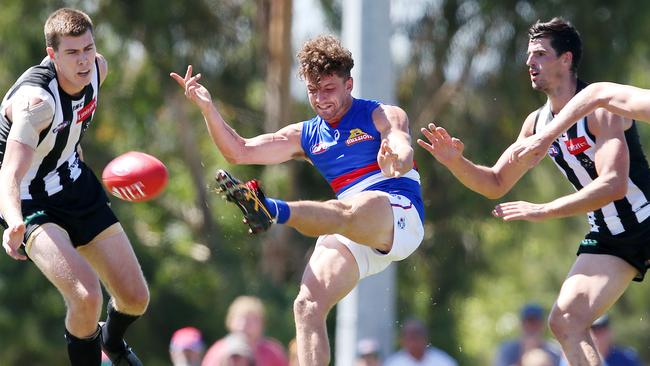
{"type": "Point", "coordinates": [612, 165]}
{"type": "Point", "coordinates": [625, 100]}
{"type": "Point", "coordinates": [270, 148]}
{"type": "Point", "coordinates": [29, 115]}
{"type": "Point", "coordinates": [103, 67]}
{"type": "Point", "coordinates": [17, 159]}
{"type": "Point", "coordinates": [491, 182]}
{"type": "Point", "coordinates": [395, 156]}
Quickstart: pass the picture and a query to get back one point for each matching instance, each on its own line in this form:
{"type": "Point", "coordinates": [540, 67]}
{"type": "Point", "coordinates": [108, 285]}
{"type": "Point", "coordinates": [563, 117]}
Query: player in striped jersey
{"type": "Point", "coordinates": [602, 157]}
{"type": "Point", "coordinates": [625, 100]}
{"type": "Point", "coordinates": [363, 149]}
{"type": "Point", "coordinates": [53, 208]}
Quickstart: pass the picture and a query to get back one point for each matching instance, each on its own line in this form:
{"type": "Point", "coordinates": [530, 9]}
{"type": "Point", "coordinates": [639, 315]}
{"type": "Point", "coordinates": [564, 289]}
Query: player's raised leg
{"type": "Point", "coordinates": [365, 218]}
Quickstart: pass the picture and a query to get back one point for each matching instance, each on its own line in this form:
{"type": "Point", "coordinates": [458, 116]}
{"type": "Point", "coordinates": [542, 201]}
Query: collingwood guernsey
{"type": "Point", "coordinates": [574, 154]}
{"type": "Point", "coordinates": [56, 158]}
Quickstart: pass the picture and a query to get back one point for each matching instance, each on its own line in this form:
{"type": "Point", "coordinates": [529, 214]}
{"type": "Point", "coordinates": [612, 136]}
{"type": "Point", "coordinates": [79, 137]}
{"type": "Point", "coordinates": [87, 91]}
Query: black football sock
{"type": "Point", "coordinates": [84, 351]}
{"type": "Point", "coordinates": [115, 327]}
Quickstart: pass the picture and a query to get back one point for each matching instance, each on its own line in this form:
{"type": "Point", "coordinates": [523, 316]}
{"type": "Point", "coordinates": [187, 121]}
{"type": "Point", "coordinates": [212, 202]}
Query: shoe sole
{"type": "Point", "coordinates": [248, 202]}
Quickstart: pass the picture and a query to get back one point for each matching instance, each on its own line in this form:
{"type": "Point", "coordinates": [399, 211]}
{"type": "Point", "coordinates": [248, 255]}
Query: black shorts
{"type": "Point", "coordinates": [633, 247]}
{"type": "Point", "coordinates": [82, 209]}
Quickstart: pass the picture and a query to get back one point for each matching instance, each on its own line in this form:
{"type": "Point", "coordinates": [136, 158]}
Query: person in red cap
{"type": "Point", "coordinates": [186, 347]}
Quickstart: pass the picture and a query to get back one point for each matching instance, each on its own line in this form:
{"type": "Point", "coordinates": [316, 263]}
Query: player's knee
{"type": "Point", "coordinates": [86, 301]}
{"type": "Point", "coordinates": [135, 302]}
{"type": "Point", "coordinates": [565, 322]}
{"type": "Point", "coordinates": [307, 310]}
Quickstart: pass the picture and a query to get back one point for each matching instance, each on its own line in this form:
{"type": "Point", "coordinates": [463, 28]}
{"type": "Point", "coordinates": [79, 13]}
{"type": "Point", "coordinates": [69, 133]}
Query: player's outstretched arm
{"type": "Point", "coordinates": [624, 100]}
{"type": "Point", "coordinates": [268, 148]}
{"type": "Point", "coordinates": [612, 165]}
{"type": "Point", "coordinates": [491, 182]}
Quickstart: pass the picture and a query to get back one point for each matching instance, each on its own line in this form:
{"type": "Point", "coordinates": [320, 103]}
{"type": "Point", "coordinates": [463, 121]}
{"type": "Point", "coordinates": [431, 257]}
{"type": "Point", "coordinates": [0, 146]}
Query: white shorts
{"type": "Point", "coordinates": [408, 234]}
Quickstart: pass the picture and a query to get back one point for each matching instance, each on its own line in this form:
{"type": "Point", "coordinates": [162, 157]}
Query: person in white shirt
{"type": "Point", "coordinates": [416, 350]}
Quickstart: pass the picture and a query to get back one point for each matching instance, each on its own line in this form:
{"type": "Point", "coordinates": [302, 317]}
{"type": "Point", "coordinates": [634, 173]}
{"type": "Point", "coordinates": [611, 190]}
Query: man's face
{"type": "Point", "coordinates": [330, 96]}
{"type": "Point", "coordinates": [74, 61]}
{"type": "Point", "coordinates": [545, 67]}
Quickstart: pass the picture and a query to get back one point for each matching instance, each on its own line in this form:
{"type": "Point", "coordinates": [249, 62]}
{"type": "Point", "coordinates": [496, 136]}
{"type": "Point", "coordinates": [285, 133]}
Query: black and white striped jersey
{"type": "Point", "coordinates": [573, 153]}
{"type": "Point", "coordinates": [56, 158]}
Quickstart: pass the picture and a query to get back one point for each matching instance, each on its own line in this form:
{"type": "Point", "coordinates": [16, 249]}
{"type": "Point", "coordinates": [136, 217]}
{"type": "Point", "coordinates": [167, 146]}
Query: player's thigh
{"type": "Point", "coordinates": [50, 249]}
{"type": "Point", "coordinates": [331, 273]}
{"type": "Point", "coordinates": [593, 285]}
{"type": "Point", "coordinates": [112, 256]}
{"type": "Point", "coordinates": [371, 220]}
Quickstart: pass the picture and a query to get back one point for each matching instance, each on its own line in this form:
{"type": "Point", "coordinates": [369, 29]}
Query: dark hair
{"type": "Point", "coordinates": [564, 38]}
{"type": "Point", "coordinates": [65, 22]}
{"type": "Point", "coordinates": [324, 55]}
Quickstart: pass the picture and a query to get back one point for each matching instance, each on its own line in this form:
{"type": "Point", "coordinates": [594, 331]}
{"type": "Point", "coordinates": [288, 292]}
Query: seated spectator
{"type": "Point", "coordinates": [186, 347]}
{"type": "Point", "coordinates": [246, 316]}
{"type": "Point", "coordinates": [368, 352]}
{"type": "Point", "coordinates": [613, 354]}
{"type": "Point", "coordinates": [415, 349]}
{"type": "Point", "coordinates": [533, 323]}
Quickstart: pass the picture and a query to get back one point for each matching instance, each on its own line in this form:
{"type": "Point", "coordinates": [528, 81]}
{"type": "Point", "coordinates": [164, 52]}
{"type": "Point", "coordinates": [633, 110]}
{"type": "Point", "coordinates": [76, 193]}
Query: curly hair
{"type": "Point", "coordinates": [324, 55]}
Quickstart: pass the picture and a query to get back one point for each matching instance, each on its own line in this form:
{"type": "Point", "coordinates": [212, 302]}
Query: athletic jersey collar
{"type": "Point", "coordinates": [345, 116]}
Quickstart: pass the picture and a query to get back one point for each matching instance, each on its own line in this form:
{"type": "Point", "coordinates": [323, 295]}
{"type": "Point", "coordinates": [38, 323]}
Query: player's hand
{"type": "Point", "coordinates": [441, 145]}
{"type": "Point", "coordinates": [531, 150]}
{"type": "Point", "coordinates": [12, 239]}
{"type": "Point", "coordinates": [389, 162]}
{"type": "Point", "coordinates": [193, 90]}
{"type": "Point", "coordinates": [520, 210]}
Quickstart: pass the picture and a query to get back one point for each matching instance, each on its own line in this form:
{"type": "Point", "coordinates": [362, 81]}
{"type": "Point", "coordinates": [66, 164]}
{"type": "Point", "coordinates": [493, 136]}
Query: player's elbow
{"type": "Point", "coordinates": [616, 187]}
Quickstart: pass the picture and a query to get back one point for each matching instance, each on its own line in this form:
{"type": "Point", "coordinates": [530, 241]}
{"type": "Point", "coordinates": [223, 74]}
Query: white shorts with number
{"type": "Point", "coordinates": [408, 234]}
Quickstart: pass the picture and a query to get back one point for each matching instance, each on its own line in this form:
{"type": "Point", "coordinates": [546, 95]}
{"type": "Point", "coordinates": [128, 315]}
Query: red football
{"type": "Point", "coordinates": [135, 176]}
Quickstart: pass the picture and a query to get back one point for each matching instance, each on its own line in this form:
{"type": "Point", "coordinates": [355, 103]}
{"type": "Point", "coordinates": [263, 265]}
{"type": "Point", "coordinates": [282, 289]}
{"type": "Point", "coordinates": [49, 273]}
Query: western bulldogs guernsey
{"type": "Point", "coordinates": [56, 160]}
{"type": "Point", "coordinates": [574, 152]}
{"type": "Point", "coordinates": [346, 155]}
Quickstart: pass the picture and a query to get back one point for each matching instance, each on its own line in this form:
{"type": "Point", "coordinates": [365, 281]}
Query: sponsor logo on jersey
{"type": "Point", "coordinates": [87, 111]}
{"type": "Point", "coordinates": [357, 135]}
{"type": "Point", "coordinates": [589, 242]}
{"type": "Point", "coordinates": [60, 126]}
{"type": "Point", "coordinates": [577, 145]}
{"type": "Point", "coordinates": [553, 151]}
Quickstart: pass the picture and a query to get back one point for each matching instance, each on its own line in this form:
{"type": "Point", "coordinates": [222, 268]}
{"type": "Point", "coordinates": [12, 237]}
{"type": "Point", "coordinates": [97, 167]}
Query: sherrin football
{"type": "Point", "coordinates": [135, 176]}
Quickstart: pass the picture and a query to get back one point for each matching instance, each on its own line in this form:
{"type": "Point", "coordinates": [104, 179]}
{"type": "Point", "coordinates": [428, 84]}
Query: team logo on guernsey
{"type": "Point", "coordinates": [357, 135]}
{"type": "Point", "coordinates": [321, 147]}
{"type": "Point", "coordinates": [577, 145]}
{"type": "Point", "coordinates": [87, 111]}
{"type": "Point", "coordinates": [553, 151]}
{"type": "Point", "coordinates": [60, 126]}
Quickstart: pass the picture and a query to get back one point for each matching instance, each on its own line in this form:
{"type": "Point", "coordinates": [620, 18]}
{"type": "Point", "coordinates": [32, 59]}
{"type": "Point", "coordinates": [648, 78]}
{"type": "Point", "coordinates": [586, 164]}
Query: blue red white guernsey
{"type": "Point", "coordinates": [574, 154]}
{"type": "Point", "coordinates": [346, 155]}
{"type": "Point", "coordinates": [56, 159]}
